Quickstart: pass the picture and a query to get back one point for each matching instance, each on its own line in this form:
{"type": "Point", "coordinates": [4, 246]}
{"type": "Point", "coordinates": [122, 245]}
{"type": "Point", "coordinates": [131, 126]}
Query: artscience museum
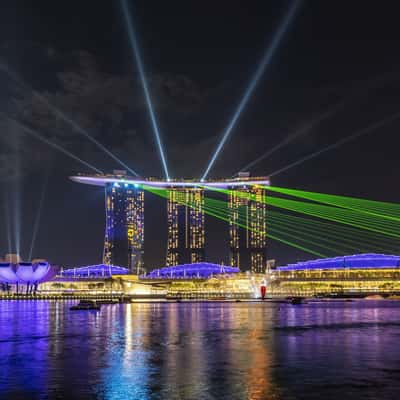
{"type": "Point", "coordinates": [26, 274]}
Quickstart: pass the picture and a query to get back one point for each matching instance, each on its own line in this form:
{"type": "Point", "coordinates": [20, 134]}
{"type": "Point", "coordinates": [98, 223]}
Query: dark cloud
{"type": "Point", "coordinates": [109, 107]}
{"type": "Point", "coordinates": [178, 93]}
{"type": "Point", "coordinates": [198, 65]}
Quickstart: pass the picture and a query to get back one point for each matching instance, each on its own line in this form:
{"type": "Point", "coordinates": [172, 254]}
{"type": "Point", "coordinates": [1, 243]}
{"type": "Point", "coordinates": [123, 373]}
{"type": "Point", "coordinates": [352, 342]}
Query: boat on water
{"type": "Point", "coordinates": [86, 305]}
{"type": "Point", "coordinates": [296, 300]}
{"type": "Point", "coordinates": [393, 297]}
{"type": "Point", "coordinates": [374, 297]}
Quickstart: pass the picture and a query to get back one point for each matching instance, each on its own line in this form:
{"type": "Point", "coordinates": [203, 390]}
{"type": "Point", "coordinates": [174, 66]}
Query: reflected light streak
{"type": "Point", "coordinates": [65, 118]}
{"type": "Point", "coordinates": [127, 364]}
{"type": "Point", "coordinates": [265, 61]}
{"type": "Point", "coordinates": [259, 380]}
{"type": "Point", "coordinates": [43, 139]}
{"type": "Point", "coordinates": [139, 63]}
{"type": "Point", "coordinates": [128, 332]}
{"type": "Point", "coordinates": [339, 143]}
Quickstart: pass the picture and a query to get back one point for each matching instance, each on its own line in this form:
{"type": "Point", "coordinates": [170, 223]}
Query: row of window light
{"type": "Point", "coordinates": [118, 185]}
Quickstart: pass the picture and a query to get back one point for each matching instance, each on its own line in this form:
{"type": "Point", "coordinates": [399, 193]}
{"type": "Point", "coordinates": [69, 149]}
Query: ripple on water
{"type": "Point", "coordinates": [200, 351]}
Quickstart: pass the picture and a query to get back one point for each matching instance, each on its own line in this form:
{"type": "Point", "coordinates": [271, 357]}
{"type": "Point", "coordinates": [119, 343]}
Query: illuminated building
{"type": "Point", "coordinates": [200, 281]}
{"type": "Point", "coordinates": [248, 239]}
{"type": "Point", "coordinates": [200, 270]}
{"type": "Point", "coordinates": [12, 258]}
{"type": "Point", "coordinates": [28, 274]}
{"type": "Point", "coordinates": [358, 274]}
{"type": "Point", "coordinates": [124, 235]}
{"type": "Point", "coordinates": [347, 276]}
{"type": "Point", "coordinates": [185, 241]}
{"type": "Point", "coordinates": [94, 271]}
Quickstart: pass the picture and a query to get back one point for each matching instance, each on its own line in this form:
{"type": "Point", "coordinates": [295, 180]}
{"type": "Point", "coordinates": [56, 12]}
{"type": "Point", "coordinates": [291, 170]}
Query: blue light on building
{"type": "Point", "coordinates": [26, 273]}
{"type": "Point", "coordinates": [94, 271]}
{"type": "Point", "coordinates": [356, 261]}
{"type": "Point", "coordinates": [191, 271]}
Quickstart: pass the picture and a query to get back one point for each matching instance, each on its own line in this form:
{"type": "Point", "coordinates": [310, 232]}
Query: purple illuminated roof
{"type": "Point", "coordinates": [360, 261]}
{"type": "Point", "coordinates": [197, 270]}
{"type": "Point", "coordinates": [94, 271]}
{"type": "Point", "coordinates": [24, 273]}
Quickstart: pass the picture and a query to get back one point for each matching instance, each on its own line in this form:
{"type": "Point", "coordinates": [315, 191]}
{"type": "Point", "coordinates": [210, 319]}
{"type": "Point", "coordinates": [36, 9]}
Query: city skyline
{"type": "Point", "coordinates": [199, 200]}
{"type": "Point", "coordinates": [124, 238]}
{"type": "Point", "coordinates": [302, 103]}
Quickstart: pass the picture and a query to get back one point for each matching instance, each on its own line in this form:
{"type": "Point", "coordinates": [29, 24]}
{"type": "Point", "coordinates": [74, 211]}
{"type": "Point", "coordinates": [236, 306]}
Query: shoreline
{"type": "Point", "coordinates": [146, 300]}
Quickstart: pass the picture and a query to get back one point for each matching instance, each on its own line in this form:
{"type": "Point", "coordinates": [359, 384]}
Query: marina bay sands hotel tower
{"type": "Point", "coordinates": [186, 236]}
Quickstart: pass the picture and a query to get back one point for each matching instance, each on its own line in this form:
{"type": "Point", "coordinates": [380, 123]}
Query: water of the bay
{"type": "Point", "coordinates": [319, 350]}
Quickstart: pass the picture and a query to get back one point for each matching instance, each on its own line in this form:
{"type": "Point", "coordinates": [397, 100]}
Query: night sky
{"type": "Point", "coordinates": [199, 58]}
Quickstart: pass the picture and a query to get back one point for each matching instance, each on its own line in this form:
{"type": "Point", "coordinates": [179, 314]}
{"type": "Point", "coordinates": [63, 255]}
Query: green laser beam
{"type": "Point", "coordinates": [340, 201]}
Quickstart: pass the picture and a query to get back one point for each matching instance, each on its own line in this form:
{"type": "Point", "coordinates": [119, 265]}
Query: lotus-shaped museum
{"type": "Point", "coordinates": [26, 272]}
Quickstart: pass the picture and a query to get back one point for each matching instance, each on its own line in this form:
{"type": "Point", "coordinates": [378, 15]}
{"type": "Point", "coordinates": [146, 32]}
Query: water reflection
{"type": "Point", "coordinates": [200, 351]}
